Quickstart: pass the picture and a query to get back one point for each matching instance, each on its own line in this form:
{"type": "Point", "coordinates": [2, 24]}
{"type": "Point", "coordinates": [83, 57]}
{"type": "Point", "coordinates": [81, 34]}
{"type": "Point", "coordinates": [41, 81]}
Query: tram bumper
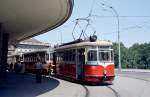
{"type": "Point", "coordinates": [99, 78]}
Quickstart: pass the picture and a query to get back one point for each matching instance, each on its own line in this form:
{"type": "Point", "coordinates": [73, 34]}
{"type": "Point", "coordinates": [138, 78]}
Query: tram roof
{"type": "Point", "coordinates": [87, 43]}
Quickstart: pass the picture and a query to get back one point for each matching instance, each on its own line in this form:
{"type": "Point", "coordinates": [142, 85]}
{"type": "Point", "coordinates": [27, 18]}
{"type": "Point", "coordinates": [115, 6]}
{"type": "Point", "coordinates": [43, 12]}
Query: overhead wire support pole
{"type": "Point", "coordinates": [119, 53]}
{"type": "Point", "coordinates": [118, 28]}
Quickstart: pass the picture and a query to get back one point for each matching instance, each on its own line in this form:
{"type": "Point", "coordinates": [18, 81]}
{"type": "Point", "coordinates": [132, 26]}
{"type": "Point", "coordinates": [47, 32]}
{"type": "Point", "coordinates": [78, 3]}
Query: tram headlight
{"type": "Point", "coordinates": [105, 71]}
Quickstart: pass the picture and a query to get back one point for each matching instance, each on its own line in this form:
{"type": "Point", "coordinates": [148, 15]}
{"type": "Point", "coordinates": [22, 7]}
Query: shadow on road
{"type": "Point", "coordinates": [19, 85]}
{"type": "Point", "coordinates": [96, 83]}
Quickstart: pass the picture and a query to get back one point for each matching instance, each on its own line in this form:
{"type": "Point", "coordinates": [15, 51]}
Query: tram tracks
{"type": "Point", "coordinates": [88, 92]}
{"type": "Point", "coordinates": [116, 94]}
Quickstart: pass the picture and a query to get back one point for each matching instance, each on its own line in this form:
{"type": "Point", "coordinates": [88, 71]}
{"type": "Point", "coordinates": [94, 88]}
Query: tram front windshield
{"type": "Point", "coordinates": [100, 55]}
{"type": "Point", "coordinates": [105, 55]}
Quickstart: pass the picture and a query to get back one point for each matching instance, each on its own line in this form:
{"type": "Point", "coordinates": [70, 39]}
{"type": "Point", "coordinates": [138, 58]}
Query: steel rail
{"type": "Point", "coordinates": [114, 91]}
{"type": "Point", "coordinates": [87, 91]}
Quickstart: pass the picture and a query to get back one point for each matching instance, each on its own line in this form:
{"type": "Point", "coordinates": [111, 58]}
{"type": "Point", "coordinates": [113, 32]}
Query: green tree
{"type": "Point", "coordinates": [137, 56]}
{"type": "Point", "coordinates": [124, 55]}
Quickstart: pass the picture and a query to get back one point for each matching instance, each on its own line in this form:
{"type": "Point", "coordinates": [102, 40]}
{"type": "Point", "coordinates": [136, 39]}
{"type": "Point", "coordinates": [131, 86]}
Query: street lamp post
{"type": "Point", "coordinates": [118, 28]}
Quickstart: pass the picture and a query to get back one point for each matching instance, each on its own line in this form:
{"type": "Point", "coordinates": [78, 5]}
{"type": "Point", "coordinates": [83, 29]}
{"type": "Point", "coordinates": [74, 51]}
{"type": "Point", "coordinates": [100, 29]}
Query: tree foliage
{"type": "Point", "coordinates": [137, 56]}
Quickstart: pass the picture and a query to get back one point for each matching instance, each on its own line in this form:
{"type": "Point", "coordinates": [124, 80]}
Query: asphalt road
{"type": "Point", "coordinates": [139, 75]}
{"type": "Point", "coordinates": [126, 84]}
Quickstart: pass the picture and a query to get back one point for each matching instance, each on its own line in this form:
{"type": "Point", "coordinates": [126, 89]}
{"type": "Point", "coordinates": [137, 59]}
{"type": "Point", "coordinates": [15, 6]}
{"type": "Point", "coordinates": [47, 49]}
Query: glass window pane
{"type": "Point", "coordinates": [104, 56]}
{"type": "Point", "coordinates": [92, 55]}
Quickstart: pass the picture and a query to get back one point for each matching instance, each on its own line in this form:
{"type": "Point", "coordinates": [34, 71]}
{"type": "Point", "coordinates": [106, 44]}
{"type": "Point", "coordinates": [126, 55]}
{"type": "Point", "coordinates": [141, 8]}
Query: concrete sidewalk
{"type": "Point", "coordinates": [19, 85]}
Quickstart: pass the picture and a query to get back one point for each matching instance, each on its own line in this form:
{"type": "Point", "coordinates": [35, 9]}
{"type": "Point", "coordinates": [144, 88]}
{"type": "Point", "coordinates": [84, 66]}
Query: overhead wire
{"type": "Point", "coordinates": [83, 31]}
{"type": "Point", "coordinates": [92, 6]}
{"type": "Point", "coordinates": [138, 26]}
{"type": "Point", "coordinates": [125, 16]}
{"type": "Point", "coordinates": [98, 16]}
{"type": "Point", "coordinates": [89, 15]}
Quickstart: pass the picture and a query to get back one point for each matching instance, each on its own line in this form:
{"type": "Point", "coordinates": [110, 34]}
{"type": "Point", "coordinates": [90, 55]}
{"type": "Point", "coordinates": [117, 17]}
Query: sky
{"type": "Point", "coordinates": [134, 22]}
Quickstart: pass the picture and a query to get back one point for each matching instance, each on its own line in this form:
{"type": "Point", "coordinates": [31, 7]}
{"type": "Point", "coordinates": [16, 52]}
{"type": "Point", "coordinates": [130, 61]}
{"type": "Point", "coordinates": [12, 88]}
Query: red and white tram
{"type": "Point", "coordinates": [29, 60]}
{"type": "Point", "coordinates": [85, 60]}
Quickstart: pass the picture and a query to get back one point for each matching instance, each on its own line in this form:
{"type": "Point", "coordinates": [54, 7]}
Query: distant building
{"type": "Point", "coordinates": [31, 45]}
{"type": "Point", "coordinates": [26, 46]}
{"type": "Point", "coordinates": [11, 50]}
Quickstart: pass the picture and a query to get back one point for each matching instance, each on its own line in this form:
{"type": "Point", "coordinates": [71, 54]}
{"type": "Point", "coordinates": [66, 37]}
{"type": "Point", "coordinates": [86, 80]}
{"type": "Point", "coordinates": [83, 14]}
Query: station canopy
{"type": "Point", "coordinates": [23, 19]}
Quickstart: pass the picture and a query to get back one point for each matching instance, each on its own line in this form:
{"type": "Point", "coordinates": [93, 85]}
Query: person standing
{"type": "Point", "coordinates": [17, 67]}
{"type": "Point", "coordinates": [38, 67]}
{"type": "Point", "coordinates": [11, 67]}
{"type": "Point", "coordinates": [23, 67]}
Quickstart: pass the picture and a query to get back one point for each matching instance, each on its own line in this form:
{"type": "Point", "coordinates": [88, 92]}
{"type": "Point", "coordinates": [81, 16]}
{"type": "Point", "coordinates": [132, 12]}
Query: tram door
{"type": "Point", "coordinates": [80, 61]}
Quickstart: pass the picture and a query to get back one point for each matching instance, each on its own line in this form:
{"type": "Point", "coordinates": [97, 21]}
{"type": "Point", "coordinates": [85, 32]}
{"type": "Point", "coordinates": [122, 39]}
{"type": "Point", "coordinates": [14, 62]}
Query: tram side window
{"type": "Point", "coordinates": [92, 55]}
{"type": "Point", "coordinates": [73, 55]}
{"type": "Point", "coordinates": [63, 57]}
{"type": "Point", "coordinates": [47, 56]}
{"type": "Point", "coordinates": [59, 56]}
{"type": "Point", "coordinates": [51, 56]}
{"type": "Point", "coordinates": [68, 55]}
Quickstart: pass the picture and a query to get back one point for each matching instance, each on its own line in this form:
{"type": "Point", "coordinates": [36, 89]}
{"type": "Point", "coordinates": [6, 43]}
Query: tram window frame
{"type": "Point", "coordinates": [24, 59]}
{"type": "Point", "coordinates": [73, 55]}
{"type": "Point", "coordinates": [31, 59]}
{"type": "Point", "coordinates": [104, 55]}
{"type": "Point", "coordinates": [91, 58]}
{"type": "Point", "coordinates": [109, 55]}
{"type": "Point", "coordinates": [51, 56]}
{"type": "Point", "coordinates": [47, 56]}
{"type": "Point", "coordinates": [112, 55]}
{"type": "Point", "coordinates": [67, 56]}
{"type": "Point", "coordinates": [59, 56]}
{"type": "Point", "coordinates": [27, 59]}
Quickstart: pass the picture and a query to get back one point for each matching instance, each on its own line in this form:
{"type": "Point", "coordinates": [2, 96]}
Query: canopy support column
{"type": "Point", "coordinates": [3, 53]}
